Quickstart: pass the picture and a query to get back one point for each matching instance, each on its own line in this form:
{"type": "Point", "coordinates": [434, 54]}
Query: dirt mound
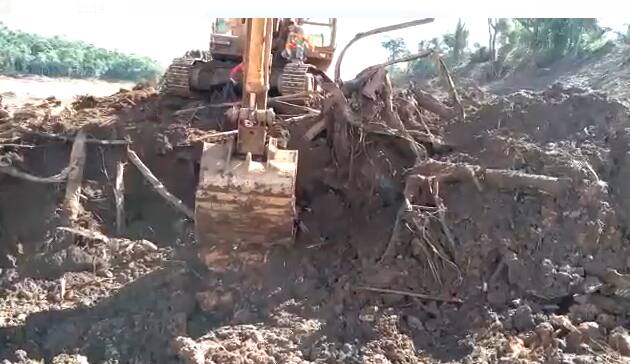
{"type": "Point", "coordinates": [498, 237]}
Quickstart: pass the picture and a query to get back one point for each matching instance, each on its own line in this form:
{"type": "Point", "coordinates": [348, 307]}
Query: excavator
{"type": "Point", "coordinates": [200, 73]}
{"type": "Point", "coordinates": [246, 189]}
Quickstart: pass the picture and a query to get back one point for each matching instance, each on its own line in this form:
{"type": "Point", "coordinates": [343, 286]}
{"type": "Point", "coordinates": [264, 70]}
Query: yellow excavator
{"type": "Point", "coordinates": [200, 73]}
{"type": "Point", "coordinates": [246, 190]}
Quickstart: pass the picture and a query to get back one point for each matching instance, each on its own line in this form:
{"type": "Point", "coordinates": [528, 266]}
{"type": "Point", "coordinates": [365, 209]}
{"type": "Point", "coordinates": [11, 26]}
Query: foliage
{"type": "Point", "coordinates": [510, 42]}
{"type": "Point", "coordinates": [397, 48]}
{"type": "Point", "coordinates": [624, 37]}
{"type": "Point", "coordinates": [457, 42]}
{"type": "Point", "coordinates": [559, 36]}
{"type": "Point", "coordinates": [22, 52]}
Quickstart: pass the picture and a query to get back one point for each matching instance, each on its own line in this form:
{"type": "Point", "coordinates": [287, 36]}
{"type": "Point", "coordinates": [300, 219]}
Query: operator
{"type": "Point", "coordinates": [234, 88]}
{"type": "Point", "coordinates": [295, 48]}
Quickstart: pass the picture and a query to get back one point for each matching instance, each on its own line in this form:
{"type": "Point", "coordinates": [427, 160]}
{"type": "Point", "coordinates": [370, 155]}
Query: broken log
{"type": "Point", "coordinates": [57, 178]}
{"type": "Point", "coordinates": [429, 102]}
{"type": "Point", "coordinates": [498, 178]}
{"type": "Point", "coordinates": [158, 186]}
{"type": "Point", "coordinates": [72, 203]}
{"type": "Point", "coordinates": [119, 196]}
{"type": "Point", "coordinates": [72, 139]}
{"type": "Point", "coordinates": [451, 89]}
{"type": "Point", "coordinates": [85, 233]}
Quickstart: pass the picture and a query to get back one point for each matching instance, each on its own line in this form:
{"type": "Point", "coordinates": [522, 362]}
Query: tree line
{"type": "Point", "coordinates": [27, 53]}
{"type": "Point", "coordinates": [509, 42]}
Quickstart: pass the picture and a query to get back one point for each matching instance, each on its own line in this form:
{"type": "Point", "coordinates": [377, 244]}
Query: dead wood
{"type": "Point", "coordinates": [429, 102]}
{"type": "Point", "coordinates": [223, 134]}
{"type": "Point", "coordinates": [72, 139]}
{"type": "Point", "coordinates": [72, 203]}
{"type": "Point", "coordinates": [158, 186]}
{"type": "Point", "coordinates": [119, 196]}
{"type": "Point", "coordinates": [497, 178]}
{"type": "Point", "coordinates": [57, 178]}
{"type": "Point", "coordinates": [362, 35]}
{"type": "Point", "coordinates": [85, 233]}
{"type": "Point", "coordinates": [412, 294]}
{"type": "Point", "coordinates": [444, 72]}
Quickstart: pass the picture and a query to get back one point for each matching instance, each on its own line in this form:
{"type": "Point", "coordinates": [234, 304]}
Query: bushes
{"type": "Point", "coordinates": [55, 57]}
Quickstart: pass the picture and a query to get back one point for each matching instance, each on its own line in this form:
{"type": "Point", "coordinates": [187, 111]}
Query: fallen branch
{"type": "Point", "coordinates": [498, 178]}
{"type": "Point", "coordinates": [119, 196]}
{"type": "Point", "coordinates": [13, 172]}
{"type": "Point", "coordinates": [428, 102]}
{"type": "Point", "coordinates": [451, 88]}
{"type": "Point", "coordinates": [72, 139]}
{"type": "Point", "coordinates": [72, 204]}
{"type": "Point", "coordinates": [409, 58]}
{"type": "Point", "coordinates": [158, 186]}
{"type": "Point", "coordinates": [314, 130]}
{"type": "Point", "coordinates": [222, 134]}
{"type": "Point", "coordinates": [299, 107]}
{"type": "Point", "coordinates": [9, 145]}
{"type": "Point", "coordinates": [297, 119]}
{"type": "Point", "coordinates": [411, 294]}
{"type": "Point", "coordinates": [85, 233]}
{"type": "Point", "coordinates": [373, 32]}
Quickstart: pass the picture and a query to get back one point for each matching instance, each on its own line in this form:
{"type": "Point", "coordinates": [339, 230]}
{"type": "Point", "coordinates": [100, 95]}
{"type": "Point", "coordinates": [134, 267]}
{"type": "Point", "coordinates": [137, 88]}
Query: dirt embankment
{"type": "Point", "coordinates": [497, 238]}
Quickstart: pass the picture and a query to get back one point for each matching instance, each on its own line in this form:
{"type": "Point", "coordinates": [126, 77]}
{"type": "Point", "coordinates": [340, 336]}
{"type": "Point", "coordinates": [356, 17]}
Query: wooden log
{"type": "Point", "coordinates": [119, 196]}
{"type": "Point", "coordinates": [13, 172]}
{"type": "Point", "coordinates": [72, 203]}
{"type": "Point", "coordinates": [429, 102]}
{"type": "Point", "coordinates": [497, 178]}
{"type": "Point", "coordinates": [158, 186]}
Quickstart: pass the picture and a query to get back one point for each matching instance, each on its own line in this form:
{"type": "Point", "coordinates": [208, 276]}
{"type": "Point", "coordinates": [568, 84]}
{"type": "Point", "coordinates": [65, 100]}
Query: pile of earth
{"type": "Point", "coordinates": [514, 248]}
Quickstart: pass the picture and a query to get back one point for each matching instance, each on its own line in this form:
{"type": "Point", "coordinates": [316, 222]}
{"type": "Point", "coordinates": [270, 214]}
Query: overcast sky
{"type": "Point", "coordinates": [166, 29]}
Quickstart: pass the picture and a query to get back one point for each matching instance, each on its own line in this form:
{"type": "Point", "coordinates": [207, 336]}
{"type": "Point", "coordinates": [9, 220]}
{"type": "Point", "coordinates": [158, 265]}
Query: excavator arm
{"type": "Point", "coordinates": [246, 195]}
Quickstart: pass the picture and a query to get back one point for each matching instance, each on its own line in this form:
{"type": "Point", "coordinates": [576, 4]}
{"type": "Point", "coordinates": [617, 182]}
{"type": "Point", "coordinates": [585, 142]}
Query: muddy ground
{"type": "Point", "coordinates": [514, 248]}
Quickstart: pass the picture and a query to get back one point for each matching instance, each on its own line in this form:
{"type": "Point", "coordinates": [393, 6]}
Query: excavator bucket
{"type": "Point", "coordinates": [241, 201]}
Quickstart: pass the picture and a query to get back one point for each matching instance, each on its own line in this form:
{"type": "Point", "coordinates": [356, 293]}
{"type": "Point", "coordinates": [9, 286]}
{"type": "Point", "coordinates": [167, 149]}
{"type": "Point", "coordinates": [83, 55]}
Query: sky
{"type": "Point", "coordinates": [166, 29]}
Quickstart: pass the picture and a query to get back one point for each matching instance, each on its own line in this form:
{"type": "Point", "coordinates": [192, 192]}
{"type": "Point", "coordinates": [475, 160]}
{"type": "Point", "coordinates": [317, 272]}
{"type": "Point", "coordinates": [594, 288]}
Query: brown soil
{"type": "Point", "coordinates": [513, 272]}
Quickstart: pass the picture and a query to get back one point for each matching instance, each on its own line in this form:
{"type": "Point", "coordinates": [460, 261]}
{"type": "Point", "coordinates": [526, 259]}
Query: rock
{"type": "Point", "coordinates": [590, 330]}
{"type": "Point", "coordinates": [591, 284]}
{"type": "Point", "coordinates": [545, 333]}
{"type": "Point", "coordinates": [188, 350]}
{"type": "Point", "coordinates": [210, 301]}
{"type": "Point", "coordinates": [70, 359]}
{"type": "Point", "coordinates": [583, 359]}
{"type": "Point", "coordinates": [560, 344]}
{"type": "Point", "coordinates": [561, 322]}
{"type": "Point", "coordinates": [620, 341]}
{"type": "Point", "coordinates": [523, 318]}
{"type": "Point", "coordinates": [415, 323]}
{"type": "Point", "coordinates": [573, 341]}
{"type": "Point", "coordinates": [607, 321]}
{"type": "Point", "coordinates": [584, 312]}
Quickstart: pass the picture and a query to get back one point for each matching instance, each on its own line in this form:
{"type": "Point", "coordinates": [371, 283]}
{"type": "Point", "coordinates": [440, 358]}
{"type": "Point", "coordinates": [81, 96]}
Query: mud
{"type": "Point", "coordinates": [531, 277]}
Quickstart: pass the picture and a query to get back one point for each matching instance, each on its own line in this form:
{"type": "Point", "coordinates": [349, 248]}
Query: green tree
{"type": "Point", "coordinates": [22, 52]}
{"type": "Point", "coordinates": [397, 48]}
